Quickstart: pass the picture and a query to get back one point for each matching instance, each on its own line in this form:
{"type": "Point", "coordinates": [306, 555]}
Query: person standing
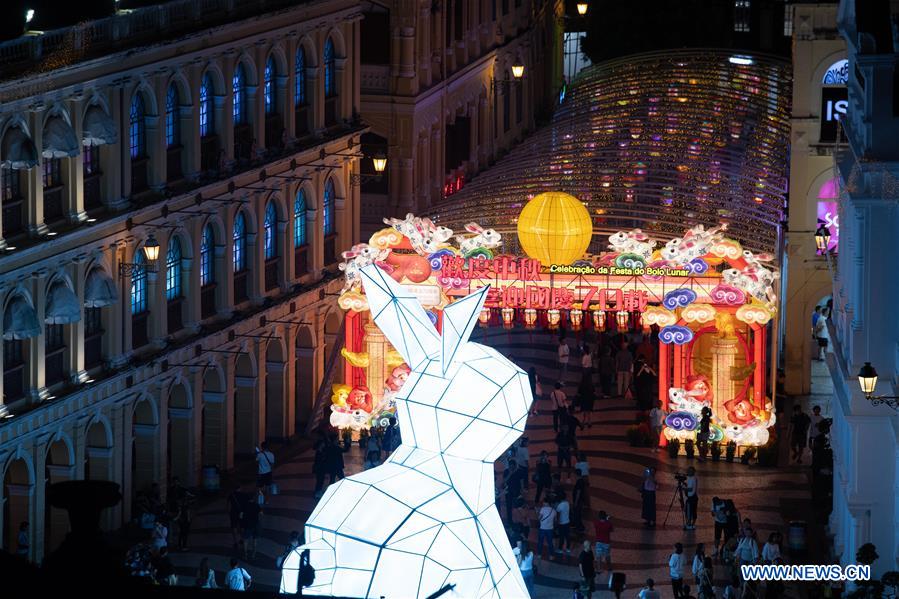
{"type": "Point", "coordinates": [771, 550]}
{"type": "Point", "coordinates": [648, 492]}
{"type": "Point", "coordinates": [814, 430]}
{"type": "Point", "coordinates": [719, 514]}
{"type": "Point", "coordinates": [23, 545]}
{"type": "Point", "coordinates": [563, 509]}
{"type": "Point", "coordinates": [546, 517]}
{"type": "Point", "coordinates": [236, 501]}
{"type": "Point", "coordinates": [657, 417]}
{"type": "Point", "coordinates": [579, 496]}
{"type": "Point", "coordinates": [676, 570]}
{"type": "Point", "coordinates": [649, 591]}
{"type": "Point", "coordinates": [184, 522]}
{"type": "Point", "coordinates": [747, 551]}
{"type": "Point", "coordinates": [237, 579]}
{"type": "Point", "coordinates": [586, 394]}
{"type": "Point", "coordinates": [586, 363]}
{"type": "Point", "coordinates": [525, 559]}
{"type": "Point", "coordinates": [320, 466]}
{"type": "Point", "coordinates": [587, 568]}
{"type": "Point", "coordinates": [160, 536]}
{"type": "Point", "coordinates": [250, 525]}
{"type": "Point", "coordinates": [564, 444]}
{"type": "Point", "coordinates": [706, 580]}
{"type": "Point", "coordinates": [602, 528]}
{"type": "Point", "coordinates": [799, 425]}
{"type": "Point", "coordinates": [334, 459]}
{"type": "Point", "coordinates": [692, 499]}
{"type": "Point", "coordinates": [543, 477]}
{"type": "Point", "coordinates": [821, 337]}
{"type": "Point", "coordinates": [624, 367]}
{"type": "Point", "coordinates": [513, 479]}
{"type": "Point", "coordinates": [165, 569]}
{"type": "Point", "coordinates": [607, 371]}
{"type": "Point", "coordinates": [698, 561]}
{"type": "Point", "coordinates": [265, 462]}
{"type": "Point", "coordinates": [560, 405]}
{"type": "Point", "coordinates": [206, 575]}
{"type": "Point", "coordinates": [702, 437]}
{"type": "Point", "coordinates": [523, 457]}
{"type": "Point", "coordinates": [816, 316]}
{"type": "Point", "coordinates": [564, 353]}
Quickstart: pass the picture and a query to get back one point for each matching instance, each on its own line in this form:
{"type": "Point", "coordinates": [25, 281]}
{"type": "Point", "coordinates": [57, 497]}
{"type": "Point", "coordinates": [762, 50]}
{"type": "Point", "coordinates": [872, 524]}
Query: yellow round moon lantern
{"type": "Point", "coordinates": [555, 228]}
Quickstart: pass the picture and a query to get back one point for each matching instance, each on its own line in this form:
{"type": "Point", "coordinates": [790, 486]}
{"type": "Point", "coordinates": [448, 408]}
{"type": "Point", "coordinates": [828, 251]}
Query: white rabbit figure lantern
{"type": "Point", "coordinates": [427, 517]}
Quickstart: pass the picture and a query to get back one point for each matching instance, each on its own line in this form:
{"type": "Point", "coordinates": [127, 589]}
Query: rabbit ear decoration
{"type": "Point", "coordinates": [459, 319]}
{"type": "Point", "coordinates": [399, 315]}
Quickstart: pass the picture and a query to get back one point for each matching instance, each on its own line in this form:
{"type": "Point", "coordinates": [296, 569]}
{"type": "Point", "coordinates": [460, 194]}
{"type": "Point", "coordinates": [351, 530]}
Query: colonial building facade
{"type": "Point", "coordinates": [172, 217]}
{"type": "Point", "coordinates": [443, 100]}
{"type": "Point", "coordinates": [820, 72]}
{"type": "Point", "coordinates": [864, 328]}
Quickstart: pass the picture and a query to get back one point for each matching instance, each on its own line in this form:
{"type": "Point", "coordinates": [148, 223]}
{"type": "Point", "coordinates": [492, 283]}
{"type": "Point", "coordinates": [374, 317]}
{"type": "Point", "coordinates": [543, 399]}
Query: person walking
{"type": "Point", "coordinates": [265, 463]}
{"type": "Point", "coordinates": [719, 515]}
{"type": "Point", "coordinates": [560, 405]}
{"type": "Point", "coordinates": [564, 445]}
{"type": "Point", "coordinates": [648, 490]}
{"type": "Point", "coordinates": [184, 519]}
{"type": "Point", "coordinates": [816, 315]}
{"type": "Point", "coordinates": [798, 432]}
{"type": "Point", "coordinates": [543, 477]}
{"type": "Point", "coordinates": [814, 431]}
{"type": "Point", "coordinates": [676, 570]}
{"type": "Point", "coordinates": [692, 499]}
{"type": "Point", "coordinates": [607, 371]}
{"type": "Point", "coordinates": [237, 579]}
{"type": "Point", "coordinates": [206, 575]}
{"type": "Point", "coordinates": [602, 528]}
{"type": "Point", "coordinates": [624, 369]}
{"type": "Point", "coordinates": [586, 393]}
{"type": "Point", "coordinates": [250, 525]}
{"type": "Point", "coordinates": [821, 337]}
{"type": "Point", "coordinates": [579, 496]}
{"type": "Point", "coordinates": [525, 558]}
{"type": "Point", "coordinates": [563, 530]}
{"type": "Point", "coordinates": [587, 568]}
{"type": "Point", "coordinates": [657, 417]}
{"type": "Point", "coordinates": [564, 353]}
{"type": "Point", "coordinates": [546, 517]}
{"type": "Point", "coordinates": [235, 503]}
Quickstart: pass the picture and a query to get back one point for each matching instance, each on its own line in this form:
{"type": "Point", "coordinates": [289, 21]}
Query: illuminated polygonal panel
{"type": "Point", "coordinates": [352, 554]}
{"type": "Point", "coordinates": [329, 514]}
{"type": "Point", "coordinates": [423, 418]}
{"type": "Point", "coordinates": [482, 440]}
{"type": "Point", "coordinates": [412, 488]}
{"type": "Point", "coordinates": [398, 575]}
{"type": "Point", "coordinates": [375, 517]}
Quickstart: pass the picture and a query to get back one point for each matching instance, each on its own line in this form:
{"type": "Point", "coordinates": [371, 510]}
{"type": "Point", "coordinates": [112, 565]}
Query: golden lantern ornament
{"type": "Point", "coordinates": [484, 317]}
{"type": "Point", "coordinates": [576, 317]}
{"type": "Point", "coordinates": [530, 317]}
{"type": "Point", "coordinates": [599, 320]}
{"type": "Point", "coordinates": [508, 315]}
{"type": "Point", "coordinates": [553, 317]}
{"type": "Point", "coordinates": [555, 228]}
{"type": "Point", "coordinates": [623, 319]}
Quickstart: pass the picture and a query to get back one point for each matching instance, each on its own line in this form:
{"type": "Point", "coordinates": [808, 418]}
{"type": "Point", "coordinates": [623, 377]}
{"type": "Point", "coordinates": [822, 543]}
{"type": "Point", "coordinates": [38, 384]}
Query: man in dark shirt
{"type": "Point", "coordinates": [513, 478]}
{"type": "Point", "coordinates": [578, 502]}
{"type": "Point", "coordinates": [799, 425]}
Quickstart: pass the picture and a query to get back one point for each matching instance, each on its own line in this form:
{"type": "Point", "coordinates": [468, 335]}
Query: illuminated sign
{"type": "Point", "coordinates": [834, 103]}
{"type": "Point", "coordinates": [837, 73]}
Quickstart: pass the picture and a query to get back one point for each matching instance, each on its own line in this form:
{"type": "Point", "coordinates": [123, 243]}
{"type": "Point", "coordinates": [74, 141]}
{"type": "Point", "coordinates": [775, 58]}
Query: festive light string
{"type": "Point", "coordinates": [660, 141]}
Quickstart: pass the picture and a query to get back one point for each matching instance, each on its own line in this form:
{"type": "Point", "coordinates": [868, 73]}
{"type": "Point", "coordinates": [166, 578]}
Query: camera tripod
{"type": "Point", "coordinates": [679, 494]}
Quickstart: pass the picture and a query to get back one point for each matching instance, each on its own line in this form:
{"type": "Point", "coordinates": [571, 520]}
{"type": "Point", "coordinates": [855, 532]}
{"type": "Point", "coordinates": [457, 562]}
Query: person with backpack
{"type": "Point", "coordinates": [237, 579]}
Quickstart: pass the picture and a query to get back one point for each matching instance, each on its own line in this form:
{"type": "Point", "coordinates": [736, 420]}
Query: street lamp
{"type": "Point", "coordinates": [380, 162]}
{"type": "Point", "coordinates": [582, 8]}
{"type": "Point", "coordinates": [517, 77]}
{"type": "Point", "coordinates": [822, 238]}
{"type": "Point", "coordinates": [518, 71]}
{"type": "Point", "coordinates": [151, 249]}
{"type": "Point", "coordinates": [867, 380]}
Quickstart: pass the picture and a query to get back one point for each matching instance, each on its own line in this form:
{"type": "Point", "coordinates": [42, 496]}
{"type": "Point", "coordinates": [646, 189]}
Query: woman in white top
{"type": "Point", "coordinates": [698, 560]}
{"type": "Point", "coordinates": [747, 551]}
{"type": "Point", "coordinates": [206, 575]}
{"type": "Point", "coordinates": [525, 559]}
{"type": "Point", "coordinates": [771, 550]}
{"type": "Point", "coordinates": [160, 536]}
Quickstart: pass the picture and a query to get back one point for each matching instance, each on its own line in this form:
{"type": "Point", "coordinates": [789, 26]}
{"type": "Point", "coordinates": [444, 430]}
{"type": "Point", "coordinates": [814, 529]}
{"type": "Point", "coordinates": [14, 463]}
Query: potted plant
{"type": "Point", "coordinates": [730, 451]}
{"type": "Point", "coordinates": [673, 448]}
{"type": "Point", "coordinates": [688, 448]}
{"type": "Point", "coordinates": [748, 454]}
{"type": "Point", "coordinates": [716, 451]}
{"type": "Point", "coordinates": [347, 437]}
{"type": "Point", "coordinates": [768, 454]}
{"type": "Point", "coordinates": [633, 436]}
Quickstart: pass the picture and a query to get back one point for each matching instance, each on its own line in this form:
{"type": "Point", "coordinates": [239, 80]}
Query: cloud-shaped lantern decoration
{"type": "Point", "coordinates": [353, 300]}
{"type": "Point", "coordinates": [699, 313]}
{"type": "Point", "coordinates": [754, 314]}
{"type": "Point", "coordinates": [679, 298]}
{"type": "Point", "coordinates": [630, 260]}
{"type": "Point", "coordinates": [697, 266]}
{"type": "Point", "coordinates": [659, 316]}
{"type": "Point", "coordinates": [676, 334]}
{"type": "Point", "coordinates": [681, 421]}
{"type": "Point", "coordinates": [385, 238]}
{"type": "Point", "coordinates": [436, 259]}
{"type": "Point", "coordinates": [716, 433]}
{"type": "Point", "coordinates": [729, 249]}
{"type": "Point", "coordinates": [727, 295]}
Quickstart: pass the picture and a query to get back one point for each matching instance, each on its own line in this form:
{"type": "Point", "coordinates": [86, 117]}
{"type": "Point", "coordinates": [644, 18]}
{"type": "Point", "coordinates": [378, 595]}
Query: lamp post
{"type": "Point", "coordinates": [582, 8]}
{"type": "Point", "coordinates": [132, 269]}
{"type": "Point", "coordinates": [867, 380]}
{"type": "Point", "coordinates": [517, 77]}
{"type": "Point", "coordinates": [379, 161]}
{"type": "Point", "coordinates": [822, 239]}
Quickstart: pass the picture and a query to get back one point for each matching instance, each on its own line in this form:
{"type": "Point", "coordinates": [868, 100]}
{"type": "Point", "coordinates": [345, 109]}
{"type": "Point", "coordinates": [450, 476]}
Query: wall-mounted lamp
{"type": "Point", "coordinates": [867, 380]}
{"type": "Point", "coordinates": [517, 77]}
{"type": "Point", "coordinates": [822, 239]}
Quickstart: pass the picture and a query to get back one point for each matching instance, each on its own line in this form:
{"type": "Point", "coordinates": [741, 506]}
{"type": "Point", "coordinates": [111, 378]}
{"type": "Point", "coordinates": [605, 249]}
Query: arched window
{"type": "Point", "coordinates": [139, 284]}
{"type": "Point", "coordinates": [299, 220]}
{"type": "Point", "coordinates": [328, 208]}
{"type": "Point", "coordinates": [138, 127]}
{"type": "Point", "coordinates": [240, 243]}
{"type": "Point", "coordinates": [173, 270]}
{"type": "Point", "coordinates": [172, 117]}
{"type": "Point", "coordinates": [270, 104]}
{"type": "Point", "coordinates": [271, 231]}
{"type": "Point", "coordinates": [207, 124]}
{"type": "Point", "coordinates": [330, 81]}
{"type": "Point", "coordinates": [207, 263]}
{"type": "Point", "coordinates": [239, 90]}
{"type": "Point", "coordinates": [299, 96]}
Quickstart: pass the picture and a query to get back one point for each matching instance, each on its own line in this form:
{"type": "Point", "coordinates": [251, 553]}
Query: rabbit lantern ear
{"type": "Point", "coordinates": [459, 319]}
{"type": "Point", "coordinates": [399, 315]}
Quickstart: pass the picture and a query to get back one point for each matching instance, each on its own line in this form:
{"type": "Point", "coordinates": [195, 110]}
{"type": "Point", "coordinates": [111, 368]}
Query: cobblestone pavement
{"type": "Point", "coordinates": [771, 497]}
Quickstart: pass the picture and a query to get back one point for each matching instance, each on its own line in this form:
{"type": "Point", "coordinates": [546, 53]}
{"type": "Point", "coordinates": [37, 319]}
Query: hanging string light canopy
{"type": "Point", "coordinates": [659, 141]}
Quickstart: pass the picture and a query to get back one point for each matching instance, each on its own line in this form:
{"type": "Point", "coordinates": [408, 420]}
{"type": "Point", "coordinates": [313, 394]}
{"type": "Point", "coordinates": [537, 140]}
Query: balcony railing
{"type": "Point", "coordinates": [375, 79]}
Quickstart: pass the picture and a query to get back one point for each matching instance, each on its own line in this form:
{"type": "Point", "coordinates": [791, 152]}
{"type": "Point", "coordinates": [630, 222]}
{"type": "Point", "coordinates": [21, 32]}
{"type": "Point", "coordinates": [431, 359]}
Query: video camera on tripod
{"type": "Point", "coordinates": [680, 493]}
{"type": "Point", "coordinates": [681, 478]}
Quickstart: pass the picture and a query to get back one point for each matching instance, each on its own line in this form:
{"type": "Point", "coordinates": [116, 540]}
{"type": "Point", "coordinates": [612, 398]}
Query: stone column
{"type": "Point", "coordinates": [115, 163]}
{"type": "Point", "coordinates": [117, 317]}
{"type": "Point", "coordinates": [424, 45]}
{"type": "Point", "coordinates": [156, 147]}
{"type": "Point", "coordinates": [344, 90]}
{"type": "Point", "coordinates": [76, 330]}
{"type": "Point", "coordinates": [224, 106]}
{"type": "Point", "coordinates": [438, 172]}
{"type": "Point", "coordinates": [315, 92]}
{"type": "Point", "coordinates": [75, 173]}
{"type": "Point", "coordinates": [36, 385]}
{"type": "Point", "coordinates": [228, 415]}
{"type": "Point", "coordinates": [285, 252]}
{"type": "Point", "coordinates": [191, 284]}
{"type": "Point", "coordinates": [224, 277]}
{"type": "Point", "coordinates": [256, 252]}
{"type": "Point", "coordinates": [34, 181]}
{"type": "Point", "coordinates": [314, 234]}
{"type": "Point", "coordinates": [485, 140]}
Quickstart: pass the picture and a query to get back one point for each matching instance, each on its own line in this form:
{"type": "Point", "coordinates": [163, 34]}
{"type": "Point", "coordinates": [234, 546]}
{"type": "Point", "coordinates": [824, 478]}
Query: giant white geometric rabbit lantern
{"type": "Point", "coordinates": [426, 517]}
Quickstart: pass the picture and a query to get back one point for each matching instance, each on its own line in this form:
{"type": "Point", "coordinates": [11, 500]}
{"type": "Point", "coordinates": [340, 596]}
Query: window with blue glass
{"type": "Point", "coordinates": [328, 208]}
{"type": "Point", "coordinates": [173, 270]}
{"type": "Point", "coordinates": [172, 118]}
{"type": "Point", "coordinates": [330, 82]}
{"type": "Point", "coordinates": [206, 123]}
{"type": "Point", "coordinates": [299, 96]}
{"type": "Point", "coordinates": [271, 229]}
{"type": "Point", "coordinates": [299, 220]}
{"type": "Point", "coordinates": [240, 243]}
{"type": "Point", "coordinates": [139, 284]}
{"type": "Point", "coordinates": [207, 264]}
{"type": "Point", "coordinates": [138, 127]}
{"type": "Point", "coordinates": [270, 103]}
{"type": "Point", "coordinates": [238, 87]}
